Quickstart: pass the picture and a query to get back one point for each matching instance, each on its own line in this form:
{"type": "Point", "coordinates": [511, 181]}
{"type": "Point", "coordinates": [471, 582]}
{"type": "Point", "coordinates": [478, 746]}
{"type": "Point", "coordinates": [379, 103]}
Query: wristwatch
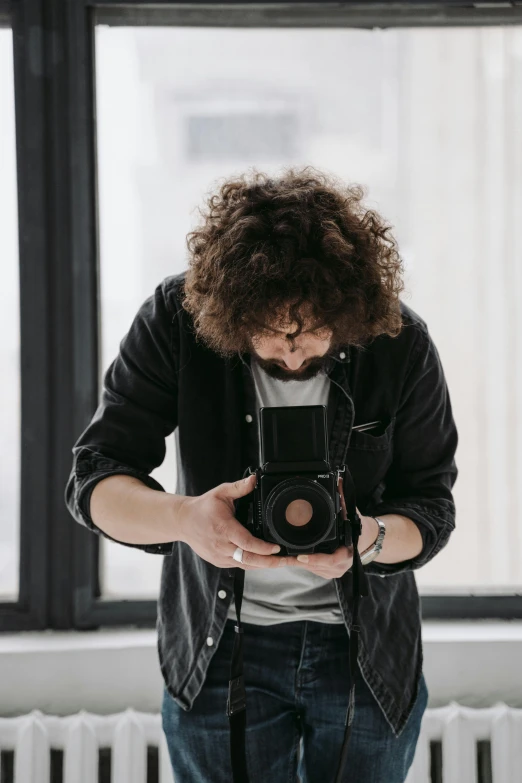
{"type": "Point", "coordinates": [373, 550]}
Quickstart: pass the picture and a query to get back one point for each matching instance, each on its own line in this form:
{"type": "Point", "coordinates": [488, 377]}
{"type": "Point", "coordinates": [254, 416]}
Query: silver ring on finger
{"type": "Point", "coordinates": [238, 554]}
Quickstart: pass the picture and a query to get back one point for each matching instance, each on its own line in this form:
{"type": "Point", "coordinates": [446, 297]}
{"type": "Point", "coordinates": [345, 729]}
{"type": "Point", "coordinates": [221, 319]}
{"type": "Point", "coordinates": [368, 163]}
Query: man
{"type": "Point", "coordinates": [291, 298]}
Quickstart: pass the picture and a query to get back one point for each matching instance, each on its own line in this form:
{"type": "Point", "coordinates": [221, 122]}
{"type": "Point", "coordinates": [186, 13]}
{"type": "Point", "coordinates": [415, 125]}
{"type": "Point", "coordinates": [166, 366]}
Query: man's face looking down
{"type": "Point", "coordinates": [287, 360]}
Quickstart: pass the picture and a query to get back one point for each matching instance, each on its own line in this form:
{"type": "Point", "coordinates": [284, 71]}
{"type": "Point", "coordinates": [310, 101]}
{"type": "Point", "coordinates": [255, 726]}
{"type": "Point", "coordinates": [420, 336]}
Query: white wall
{"type": "Point", "coordinates": [476, 664]}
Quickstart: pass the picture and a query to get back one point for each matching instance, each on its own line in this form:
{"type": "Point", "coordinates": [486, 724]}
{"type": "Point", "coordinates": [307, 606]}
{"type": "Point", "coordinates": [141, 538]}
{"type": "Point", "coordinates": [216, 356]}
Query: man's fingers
{"type": "Point", "coordinates": [328, 562]}
{"type": "Point", "coordinates": [261, 561]}
{"type": "Point", "coordinates": [237, 489]}
{"type": "Point", "coordinates": [240, 536]}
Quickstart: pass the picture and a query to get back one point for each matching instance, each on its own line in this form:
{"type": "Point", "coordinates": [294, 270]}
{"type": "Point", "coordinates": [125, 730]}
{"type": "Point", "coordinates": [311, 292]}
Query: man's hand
{"type": "Point", "coordinates": [337, 563]}
{"type": "Point", "coordinates": [208, 525]}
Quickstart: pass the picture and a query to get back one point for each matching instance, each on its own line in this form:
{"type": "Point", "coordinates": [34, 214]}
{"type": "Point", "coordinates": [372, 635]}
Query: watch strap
{"type": "Point", "coordinates": [374, 549]}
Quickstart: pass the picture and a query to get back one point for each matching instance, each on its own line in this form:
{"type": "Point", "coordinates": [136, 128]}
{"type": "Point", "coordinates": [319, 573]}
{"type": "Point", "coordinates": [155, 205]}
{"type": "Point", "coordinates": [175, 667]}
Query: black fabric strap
{"type": "Point", "coordinates": [236, 703]}
{"type": "Point", "coordinates": [360, 588]}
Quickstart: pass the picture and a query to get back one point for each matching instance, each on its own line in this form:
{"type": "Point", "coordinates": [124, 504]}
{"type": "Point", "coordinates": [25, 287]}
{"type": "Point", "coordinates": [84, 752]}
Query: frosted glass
{"type": "Point", "coordinates": [9, 333]}
{"type": "Point", "coordinates": [430, 121]}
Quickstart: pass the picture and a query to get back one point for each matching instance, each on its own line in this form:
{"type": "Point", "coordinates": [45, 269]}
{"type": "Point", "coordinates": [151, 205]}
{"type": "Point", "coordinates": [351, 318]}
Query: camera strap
{"type": "Point", "coordinates": [359, 589]}
{"type": "Point", "coordinates": [236, 702]}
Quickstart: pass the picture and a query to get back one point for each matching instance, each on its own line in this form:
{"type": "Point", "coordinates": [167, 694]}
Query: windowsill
{"type": "Point", "coordinates": [74, 641]}
{"type": "Point", "coordinates": [433, 631]}
{"type": "Point", "coordinates": [447, 631]}
{"type": "Point", "coordinates": [60, 672]}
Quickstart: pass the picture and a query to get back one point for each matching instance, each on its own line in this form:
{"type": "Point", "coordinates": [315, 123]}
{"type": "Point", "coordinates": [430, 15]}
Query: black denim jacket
{"type": "Point", "coordinates": [164, 380]}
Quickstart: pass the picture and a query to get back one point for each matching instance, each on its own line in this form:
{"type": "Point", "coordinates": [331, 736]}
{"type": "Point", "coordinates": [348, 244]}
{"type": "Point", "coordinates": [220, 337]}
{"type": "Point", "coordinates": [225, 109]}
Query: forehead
{"type": "Point", "coordinates": [281, 323]}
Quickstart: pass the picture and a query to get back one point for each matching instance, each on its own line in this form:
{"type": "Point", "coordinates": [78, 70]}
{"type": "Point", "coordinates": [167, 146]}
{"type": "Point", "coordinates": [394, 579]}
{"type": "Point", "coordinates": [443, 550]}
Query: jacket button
{"type": "Point", "coordinates": [222, 594]}
{"type": "Point", "coordinates": [248, 417]}
{"type": "Point", "coordinates": [342, 355]}
{"type": "Point", "coordinates": [210, 641]}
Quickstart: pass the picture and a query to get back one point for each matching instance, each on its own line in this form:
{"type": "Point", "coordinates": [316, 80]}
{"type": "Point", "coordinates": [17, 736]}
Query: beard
{"type": "Point", "coordinates": [309, 369]}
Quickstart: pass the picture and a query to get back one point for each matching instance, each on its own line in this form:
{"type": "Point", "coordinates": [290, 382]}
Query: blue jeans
{"type": "Point", "coordinates": [297, 683]}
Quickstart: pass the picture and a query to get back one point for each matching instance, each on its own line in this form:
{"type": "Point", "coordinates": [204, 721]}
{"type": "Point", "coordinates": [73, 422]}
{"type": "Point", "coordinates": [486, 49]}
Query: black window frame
{"type": "Point", "coordinates": [53, 43]}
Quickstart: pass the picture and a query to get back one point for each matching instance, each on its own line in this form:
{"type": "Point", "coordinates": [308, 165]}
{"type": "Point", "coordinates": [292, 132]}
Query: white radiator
{"type": "Point", "coordinates": [459, 729]}
{"type": "Point", "coordinates": [80, 736]}
{"type": "Point", "coordinates": [128, 734]}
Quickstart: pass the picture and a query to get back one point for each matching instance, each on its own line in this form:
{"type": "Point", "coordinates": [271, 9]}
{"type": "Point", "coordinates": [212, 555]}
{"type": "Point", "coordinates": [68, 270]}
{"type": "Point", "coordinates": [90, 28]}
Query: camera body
{"type": "Point", "coordinates": [298, 501]}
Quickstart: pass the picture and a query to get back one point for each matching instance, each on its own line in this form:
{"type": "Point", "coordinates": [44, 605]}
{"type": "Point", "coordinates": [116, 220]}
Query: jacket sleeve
{"type": "Point", "coordinates": [420, 479]}
{"type": "Point", "coordinates": [137, 411]}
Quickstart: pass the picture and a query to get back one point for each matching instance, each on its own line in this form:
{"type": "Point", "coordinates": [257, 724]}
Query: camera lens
{"type": "Point", "coordinates": [300, 512]}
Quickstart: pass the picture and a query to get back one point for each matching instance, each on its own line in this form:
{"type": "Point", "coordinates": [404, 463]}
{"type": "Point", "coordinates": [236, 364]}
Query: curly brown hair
{"type": "Point", "coordinates": [300, 244]}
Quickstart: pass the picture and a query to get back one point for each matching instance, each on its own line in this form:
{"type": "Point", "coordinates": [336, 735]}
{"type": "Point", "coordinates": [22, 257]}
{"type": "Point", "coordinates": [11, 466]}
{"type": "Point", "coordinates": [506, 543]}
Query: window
{"type": "Point", "coordinates": [9, 333]}
{"type": "Point", "coordinates": [113, 130]}
{"type": "Point", "coordinates": [241, 136]}
{"type": "Point", "coordinates": [425, 119]}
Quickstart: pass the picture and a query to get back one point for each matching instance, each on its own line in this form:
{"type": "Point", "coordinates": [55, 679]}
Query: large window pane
{"type": "Point", "coordinates": [431, 122]}
{"type": "Point", "coordinates": [9, 333]}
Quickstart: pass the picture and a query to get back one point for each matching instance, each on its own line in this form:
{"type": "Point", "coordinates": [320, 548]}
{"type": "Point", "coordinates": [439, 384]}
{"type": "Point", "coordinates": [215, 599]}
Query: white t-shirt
{"type": "Point", "coordinates": [286, 593]}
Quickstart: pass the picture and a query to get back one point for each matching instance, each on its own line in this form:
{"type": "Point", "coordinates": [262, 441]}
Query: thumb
{"type": "Point", "coordinates": [236, 489]}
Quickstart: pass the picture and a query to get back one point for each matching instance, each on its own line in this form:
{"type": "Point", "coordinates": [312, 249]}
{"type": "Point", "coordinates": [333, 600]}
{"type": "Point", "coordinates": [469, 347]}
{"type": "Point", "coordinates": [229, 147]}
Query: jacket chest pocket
{"type": "Point", "coordinates": [369, 455]}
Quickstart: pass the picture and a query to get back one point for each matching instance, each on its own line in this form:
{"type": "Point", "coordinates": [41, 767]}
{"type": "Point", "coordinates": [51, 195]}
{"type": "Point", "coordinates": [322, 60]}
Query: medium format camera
{"type": "Point", "coordinates": [299, 502]}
